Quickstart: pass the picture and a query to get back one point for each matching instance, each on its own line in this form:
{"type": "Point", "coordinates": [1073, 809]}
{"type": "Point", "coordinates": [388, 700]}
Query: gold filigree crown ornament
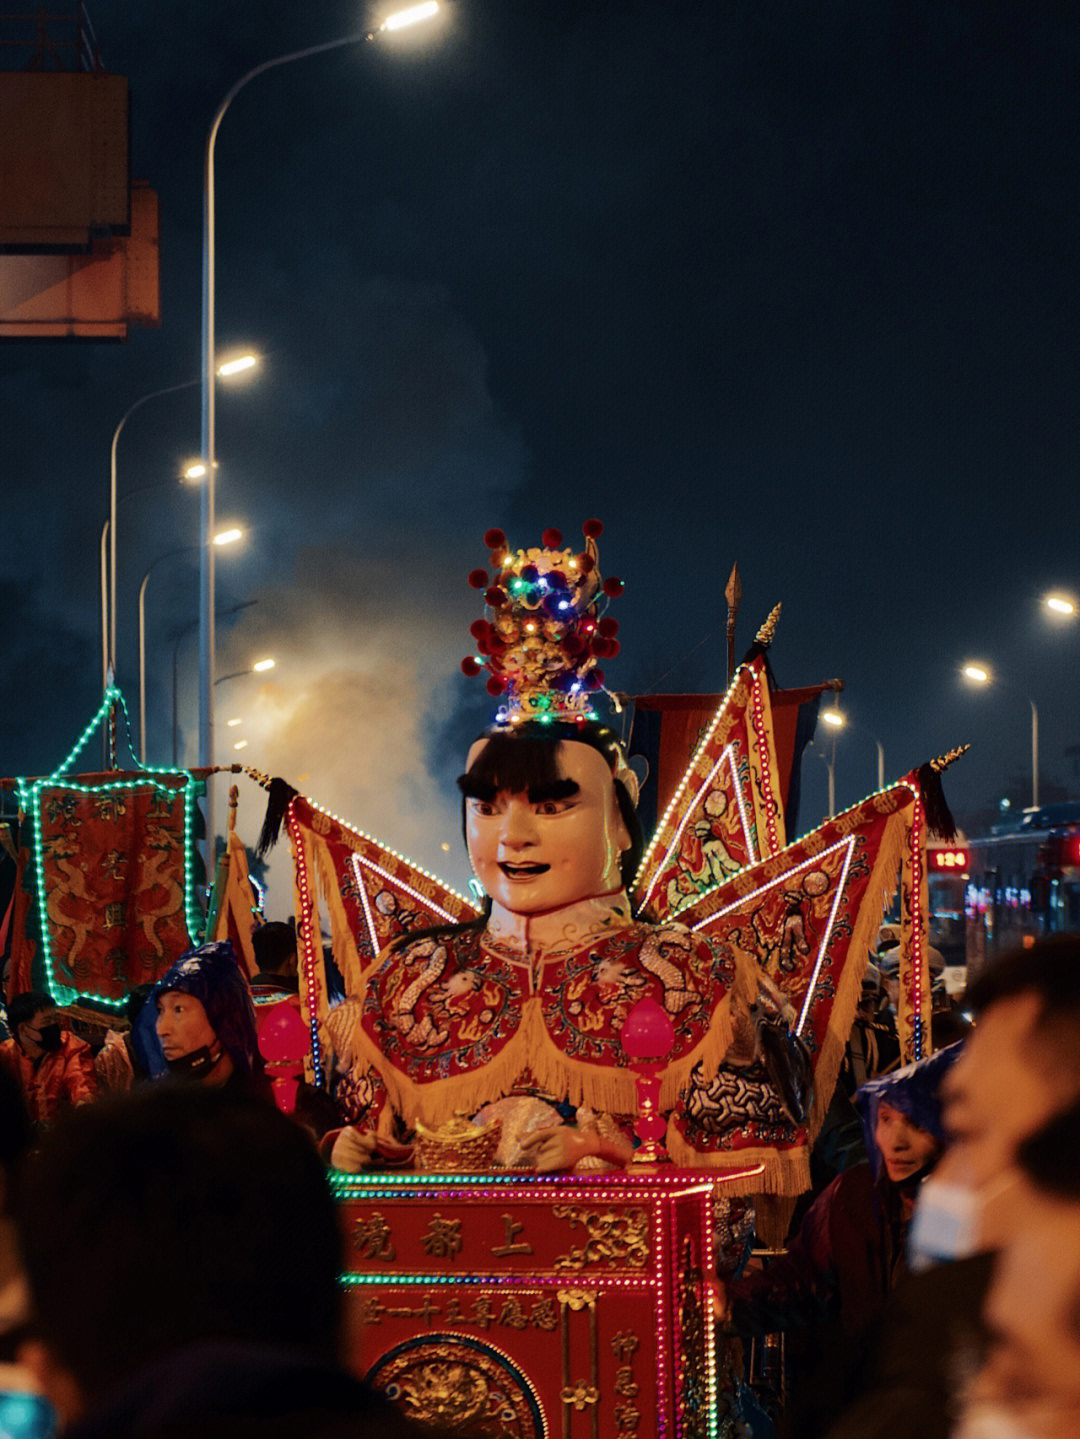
{"type": "Point", "coordinates": [545, 634]}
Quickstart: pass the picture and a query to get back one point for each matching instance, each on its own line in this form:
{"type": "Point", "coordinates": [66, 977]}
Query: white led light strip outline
{"type": "Point", "coordinates": [357, 861]}
{"type": "Point", "coordinates": [680, 789]}
{"type": "Point", "coordinates": [849, 842]}
{"type": "Point", "coordinates": [728, 753]}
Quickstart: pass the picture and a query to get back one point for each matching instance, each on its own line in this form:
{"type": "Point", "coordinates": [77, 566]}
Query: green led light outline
{"type": "Point", "coordinates": [30, 791]}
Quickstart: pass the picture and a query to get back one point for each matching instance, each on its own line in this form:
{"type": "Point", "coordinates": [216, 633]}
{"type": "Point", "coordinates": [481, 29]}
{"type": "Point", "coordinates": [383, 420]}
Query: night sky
{"type": "Point", "coordinates": [784, 283]}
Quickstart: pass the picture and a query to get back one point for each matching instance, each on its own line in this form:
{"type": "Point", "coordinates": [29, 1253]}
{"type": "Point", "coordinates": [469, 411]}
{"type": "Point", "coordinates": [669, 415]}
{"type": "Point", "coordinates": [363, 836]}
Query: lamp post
{"type": "Point", "coordinates": [835, 720]}
{"type": "Point", "coordinates": [411, 16]}
{"type": "Point", "coordinates": [179, 640]}
{"type": "Point", "coordinates": [236, 366]}
{"type": "Point", "coordinates": [980, 675]}
{"type": "Point", "coordinates": [227, 537]}
{"type": "Point", "coordinates": [838, 720]}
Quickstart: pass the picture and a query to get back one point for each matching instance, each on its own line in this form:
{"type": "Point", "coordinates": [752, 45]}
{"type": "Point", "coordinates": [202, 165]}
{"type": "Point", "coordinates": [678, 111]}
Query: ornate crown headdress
{"type": "Point", "coordinates": [545, 635]}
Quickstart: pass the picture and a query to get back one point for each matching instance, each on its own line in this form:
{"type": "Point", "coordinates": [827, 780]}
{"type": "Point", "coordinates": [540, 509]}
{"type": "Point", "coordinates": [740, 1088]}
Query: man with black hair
{"type": "Point", "coordinates": [274, 945]}
{"type": "Point", "coordinates": [1019, 1068]}
{"type": "Point", "coordinates": [53, 1068]}
{"type": "Point", "coordinates": [199, 1232]}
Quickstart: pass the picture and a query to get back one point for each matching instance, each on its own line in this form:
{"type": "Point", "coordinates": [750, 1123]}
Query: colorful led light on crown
{"type": "Point", "coordinates": [545, 635]}
{"type": "Point", "coordinates": [30, 802]}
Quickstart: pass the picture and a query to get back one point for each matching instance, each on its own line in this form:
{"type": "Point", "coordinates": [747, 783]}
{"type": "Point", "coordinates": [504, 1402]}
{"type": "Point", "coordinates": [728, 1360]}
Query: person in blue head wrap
{"type": "Point", "coordinates": [198, 1021]}
{"type": "Point", "coordinates": [839, 1269]}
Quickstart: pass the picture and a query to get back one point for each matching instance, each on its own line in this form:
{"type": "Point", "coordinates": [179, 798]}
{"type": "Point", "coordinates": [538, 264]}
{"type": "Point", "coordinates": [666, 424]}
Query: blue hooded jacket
{"type": "Point", "coordinates": [212, 975]}
{"type": "Point", "coordinates": [912, 1090]}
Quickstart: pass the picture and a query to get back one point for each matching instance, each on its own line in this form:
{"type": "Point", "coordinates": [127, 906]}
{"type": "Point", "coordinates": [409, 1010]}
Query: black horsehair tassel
{"type": "Point", "coordinates": [938, 818]}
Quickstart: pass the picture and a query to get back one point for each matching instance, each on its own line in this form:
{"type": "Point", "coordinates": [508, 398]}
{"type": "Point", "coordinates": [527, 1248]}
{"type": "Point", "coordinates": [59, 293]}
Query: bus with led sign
{"type": "Point", "coordinates": [1021, 881]}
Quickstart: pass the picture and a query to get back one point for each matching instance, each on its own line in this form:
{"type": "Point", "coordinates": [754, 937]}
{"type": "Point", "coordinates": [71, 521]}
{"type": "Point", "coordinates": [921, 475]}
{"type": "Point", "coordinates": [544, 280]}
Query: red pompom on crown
{"type": "Point", "coordinates": [543, 639]}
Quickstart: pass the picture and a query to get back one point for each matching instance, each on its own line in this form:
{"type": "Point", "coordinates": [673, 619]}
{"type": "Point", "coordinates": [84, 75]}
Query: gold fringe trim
{"type": "Point", "coordinates": [879, 891]}
{"type": "Point", "coordinates": [772, 1218]}
{"type": "Point", "coordinates": [342, 940]}
{"type": "Point", "coordinates": [603, 1087]}
{"type": "Point", "coordinates": [787, 1171]}
{"type": "Point", "coordinates": [710, 1050]}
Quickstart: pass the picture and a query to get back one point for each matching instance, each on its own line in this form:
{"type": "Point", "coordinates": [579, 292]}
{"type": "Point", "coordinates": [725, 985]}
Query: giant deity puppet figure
{"type": "Point", "coordinates": [519, 1014]}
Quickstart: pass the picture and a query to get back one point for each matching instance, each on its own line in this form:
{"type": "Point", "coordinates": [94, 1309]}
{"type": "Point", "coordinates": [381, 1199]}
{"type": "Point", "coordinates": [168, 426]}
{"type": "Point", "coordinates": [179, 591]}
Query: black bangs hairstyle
{"type": "Point", "coordinates": [525, 758]}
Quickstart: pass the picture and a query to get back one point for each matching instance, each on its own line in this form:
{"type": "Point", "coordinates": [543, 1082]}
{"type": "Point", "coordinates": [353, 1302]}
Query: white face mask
{"type": "Point", "coordinates": [945, 1224]}
{"type": "Point", "coordinates": [991, 1420]}
{"type": "Point", "coordinates": [948, 1220]}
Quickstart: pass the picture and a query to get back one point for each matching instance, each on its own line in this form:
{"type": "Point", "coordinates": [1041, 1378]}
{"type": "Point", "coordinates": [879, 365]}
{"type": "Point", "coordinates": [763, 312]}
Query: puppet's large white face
{"type": "Point", "coordinates": [538, 851]}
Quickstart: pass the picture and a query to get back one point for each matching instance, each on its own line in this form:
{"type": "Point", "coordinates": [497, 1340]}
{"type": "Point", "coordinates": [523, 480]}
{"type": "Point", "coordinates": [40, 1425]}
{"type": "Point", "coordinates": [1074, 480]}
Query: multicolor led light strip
{"type": "Point", "coordinates": [915, 997]}
{"type": "Point", "coordinates": [763, 754]}
{"type": "Point", "coordinates": [305, 929]}
{"type": "Point", "coordinates": [30, 792]}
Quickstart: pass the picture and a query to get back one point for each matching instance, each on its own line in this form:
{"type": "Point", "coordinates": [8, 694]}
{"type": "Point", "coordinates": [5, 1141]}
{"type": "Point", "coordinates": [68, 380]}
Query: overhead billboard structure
{"type": "Point", "coordinates": [79, 243]}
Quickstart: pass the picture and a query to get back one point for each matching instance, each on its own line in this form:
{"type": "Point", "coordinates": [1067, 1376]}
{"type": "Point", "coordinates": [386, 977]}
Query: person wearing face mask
{"type": "Point", "coordinates": [1029, 1386]}
{"type": "Point", "coordinates": [198, 1022]}
{"type": "Point", "coordinates": [54, 1069]}
{"type": "Point", "coordinates": [1018, 1069]}
{"type": "Point", "coordinates": [838, 1271]}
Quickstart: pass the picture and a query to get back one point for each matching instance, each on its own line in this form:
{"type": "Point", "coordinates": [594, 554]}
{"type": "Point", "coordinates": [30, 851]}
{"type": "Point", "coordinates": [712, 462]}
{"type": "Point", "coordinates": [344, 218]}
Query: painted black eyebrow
{"type": "Point", "coordinates": [473, 787]}
{"type": "Point", "coordinates": [557, 789]}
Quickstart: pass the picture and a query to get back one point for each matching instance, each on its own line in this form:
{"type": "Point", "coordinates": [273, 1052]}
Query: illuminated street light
{"type": "Point", "coordinates": [240, 744]}
{"type": "Point", "coordinates": [258, 668]}
{"type": "Point", "coordinates": [1060, 604]}
{"type": "Point", "coordinates": [195, 471]}
{"type": "Point", "coordinates": [228, 537]}
{"type": "Point", "coordinates": [237, 366]}
{"type": "Point", "coordinates": [834, 717]}
{"type": "Point", "coordinates": [238, 363]}
{"type": "Point", "coordinates": [979, 674]}
{"type": "Point", "coordinates": [233, 723]}
{"type": "Point", "coordinates": [262, 665]}
{"type": "Point", "coordinates": [410, 16]}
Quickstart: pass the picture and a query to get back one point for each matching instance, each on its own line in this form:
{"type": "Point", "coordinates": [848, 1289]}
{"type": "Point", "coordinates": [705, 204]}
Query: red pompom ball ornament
{"type": "Point", "coordinates": [495, 539]}
{"type": "Point", "coordinates": [613, 648]}
{"type": "Point", "coordinates": [495, 595]}
{"type": "Point", "coordinates": [592, 529]}
{"type": "Point", "coordinates": [596, 678]}
{"type": "Point", "coordinates": [479, 629]}
{"type": "Point", "coordinates": [478, 579]}
{"type": "Point", "coordinates": [608, 627]}
{"type": "Point", "coordinates": [551, 539]}
{"type": "Point", "coordinates": [495, 686]}
{"type": "Point", "coordinates": [470, 666]}
{"type": "Point", "coordinates": [586, 564]}
{"type": "Point", "coordinates": [613, 587]}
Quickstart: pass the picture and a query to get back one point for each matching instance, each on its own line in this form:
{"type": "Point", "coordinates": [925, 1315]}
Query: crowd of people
{"type": "Point", "coordinates": [940, 1278]}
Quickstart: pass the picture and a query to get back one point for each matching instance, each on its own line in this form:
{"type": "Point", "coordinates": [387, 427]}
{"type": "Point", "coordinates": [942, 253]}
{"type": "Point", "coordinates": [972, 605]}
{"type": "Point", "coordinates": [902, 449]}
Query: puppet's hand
{"type": "Point", "coordinates": [352, 1151]}
{"type": "Point", "coordinates": [559, 1147]}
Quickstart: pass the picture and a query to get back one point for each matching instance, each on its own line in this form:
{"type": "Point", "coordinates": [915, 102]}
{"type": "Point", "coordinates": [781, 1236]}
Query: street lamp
{"type": "Point", "coordinates": [227, 537]}
{"type": "Point", "coordinates": [236, 365]}
{"type": "Point", "coordinates": [1060, 604]}
{"type": "Point", "coordinates": [981, 674]}
{"type": "Point", "coordinates": [838, 720]}
{"type": "Point", "coordinates": [398, 21]}
{"type": "Point", "coordinates": [258, 668]}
